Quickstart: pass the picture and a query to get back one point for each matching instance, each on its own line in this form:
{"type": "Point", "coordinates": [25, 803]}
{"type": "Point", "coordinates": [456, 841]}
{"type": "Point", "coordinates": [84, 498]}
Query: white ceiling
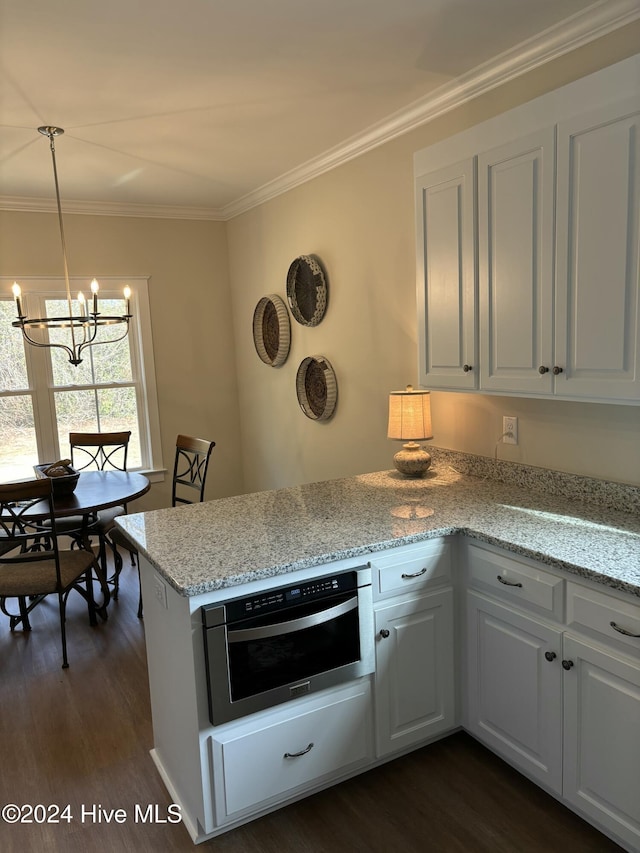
{"type": "Point", "coordinates": [204, 107]}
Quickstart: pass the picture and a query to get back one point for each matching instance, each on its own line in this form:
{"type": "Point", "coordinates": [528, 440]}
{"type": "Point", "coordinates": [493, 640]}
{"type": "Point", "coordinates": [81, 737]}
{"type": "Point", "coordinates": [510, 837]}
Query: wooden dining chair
{"type": "Point", "coordinates": [190, 468]}
{"type": "Point", "coordinates": [31, 564]}
{"type": "Point", "coordinates": [97, 451]}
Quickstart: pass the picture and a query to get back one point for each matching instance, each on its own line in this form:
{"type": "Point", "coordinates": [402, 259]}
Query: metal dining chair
{"type": "Point", "coordinates": [190, 468]}
{"type": "Point", "coordinates": [97, 451]}
{"type": "Point", "coordinates": [31, 564]}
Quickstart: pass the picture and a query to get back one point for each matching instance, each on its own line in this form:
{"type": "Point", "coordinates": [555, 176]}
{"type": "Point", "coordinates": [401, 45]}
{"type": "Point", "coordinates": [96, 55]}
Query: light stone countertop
{"type": "Point", "coordinates": [567, 522]}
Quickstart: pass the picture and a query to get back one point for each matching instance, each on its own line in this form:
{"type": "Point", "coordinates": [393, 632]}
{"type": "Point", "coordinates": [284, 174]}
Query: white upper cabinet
{"type": "Point", "coordinates": [535, 291]}
{"type": "Point", "coordinates": [515, 241]}
{"type": "Point", "coordinates": [597, 274]}
{"type": "Point", "coordinates": [445, 202]}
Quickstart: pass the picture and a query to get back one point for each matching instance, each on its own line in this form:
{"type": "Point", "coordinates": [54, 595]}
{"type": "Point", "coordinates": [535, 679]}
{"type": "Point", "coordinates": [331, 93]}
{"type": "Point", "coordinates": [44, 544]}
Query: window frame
{"type": "Point", "coordinates": [35, 290]}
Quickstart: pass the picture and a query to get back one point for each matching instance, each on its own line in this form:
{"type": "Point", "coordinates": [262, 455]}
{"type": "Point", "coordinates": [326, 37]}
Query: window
{"type": "Point", "coordinates": [43, 397]}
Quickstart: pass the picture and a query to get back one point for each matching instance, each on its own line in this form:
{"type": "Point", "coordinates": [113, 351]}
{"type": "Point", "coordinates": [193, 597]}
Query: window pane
{"type": "Point", "coordinates": [13, 368]}
{"type": "Point", "coordinates": [108, 362]}
{"type": "Point", "coordinates": [84, 401]}
{"type": "Point", "coordinates": [99, 410]}
{"type": "Point", "coordinates": [18, 449]}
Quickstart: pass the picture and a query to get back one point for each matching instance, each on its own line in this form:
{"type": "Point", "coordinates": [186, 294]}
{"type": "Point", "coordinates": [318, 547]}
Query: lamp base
{"type": "Point", "coordinates": [412, 460]}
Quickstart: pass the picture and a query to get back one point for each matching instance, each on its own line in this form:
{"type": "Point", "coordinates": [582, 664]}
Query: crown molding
{"type": "Point", "coordinates": [103, 208]}
{"type": "Point", "coordinates": [586, 26]}
{"type": "Point", "coordinates": [574, 32]}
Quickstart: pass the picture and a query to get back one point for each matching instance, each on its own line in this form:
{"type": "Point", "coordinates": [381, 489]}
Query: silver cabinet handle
{"type": "Point", "coordinates": [415, 574]}
{"type": "Point", "coordinates": [298, 754]}
{"type": "Point", "coordinates": [622, 630]}
{"type": "Point", "coordinates": [508, 583]}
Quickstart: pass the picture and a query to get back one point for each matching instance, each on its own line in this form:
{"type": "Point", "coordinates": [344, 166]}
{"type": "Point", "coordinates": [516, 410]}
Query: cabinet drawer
{"type": "Point", "coordinates": [265, 761]}
{"type": "Point", "coordinates": [412, 568]}
{"type": "Point", "coordinates": [611, 618]}
{"type": "Point", "coordinates": [516, 580]}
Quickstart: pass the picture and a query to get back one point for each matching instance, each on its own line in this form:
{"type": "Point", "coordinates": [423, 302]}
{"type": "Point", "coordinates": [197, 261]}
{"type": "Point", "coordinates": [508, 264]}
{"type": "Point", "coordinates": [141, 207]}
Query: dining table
{"type": "Point", "coordinates": [95, 491]}
{"type": "Point", "coordinates": [99, 490]}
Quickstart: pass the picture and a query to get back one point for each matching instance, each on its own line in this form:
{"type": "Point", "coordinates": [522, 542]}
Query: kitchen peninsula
{"type": "Point", "coordinates": [486, 551]}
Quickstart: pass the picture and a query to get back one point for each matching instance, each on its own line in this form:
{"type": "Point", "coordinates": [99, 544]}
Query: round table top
{"type": "Point", "coordinates": [98, 490]}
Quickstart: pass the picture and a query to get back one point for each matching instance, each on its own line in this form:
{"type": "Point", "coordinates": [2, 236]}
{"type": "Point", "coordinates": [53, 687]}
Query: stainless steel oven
{"type": "Point", "coordinates": [273, 646]}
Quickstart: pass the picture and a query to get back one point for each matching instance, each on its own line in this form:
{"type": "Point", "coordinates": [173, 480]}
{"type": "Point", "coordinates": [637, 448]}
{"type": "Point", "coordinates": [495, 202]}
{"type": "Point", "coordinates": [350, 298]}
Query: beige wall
{"type": "Point", "coordinates": [190, 316]}
{"type": "Point", "coordinates": [359, 220]}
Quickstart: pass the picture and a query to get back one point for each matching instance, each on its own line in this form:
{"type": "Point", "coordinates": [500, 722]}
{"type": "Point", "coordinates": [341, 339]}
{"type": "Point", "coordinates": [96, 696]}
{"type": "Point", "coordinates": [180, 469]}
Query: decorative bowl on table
{"type": "Point", "coordinates": [61, 474]}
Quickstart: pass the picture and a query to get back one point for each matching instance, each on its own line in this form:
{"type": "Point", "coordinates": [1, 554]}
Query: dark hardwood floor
{"type": "Point", "coordinates": [82, 737]}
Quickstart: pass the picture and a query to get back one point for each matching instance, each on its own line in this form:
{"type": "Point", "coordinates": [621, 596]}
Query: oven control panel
{"type": "Point", "coordinates": [290, 596]}
{"type": "Point", "coordinates": [311, 590]}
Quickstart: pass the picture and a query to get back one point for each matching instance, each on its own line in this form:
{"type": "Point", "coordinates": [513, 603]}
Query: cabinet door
{"type": "Point", "coordinates": [602, 737]}
{"type": "Point", "coordinates": [446, 291]}
{"type": "Point", "coordinates": [515, 234]}
{"type": "Point", "coordinates": [514, 692]}
{"type": "Point", "coordinates": [597, 277]}
{"type": "Point", "coordinates": [414, 671]}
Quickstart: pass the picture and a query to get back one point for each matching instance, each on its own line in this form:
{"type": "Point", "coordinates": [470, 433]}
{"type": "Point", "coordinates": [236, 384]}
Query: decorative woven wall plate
{"type": "Point", "coordinates": [317, 388]}
{"type": "Point", "coordinates": [272, 330]}
{"type": "Point", "coordinates": [307, 290]}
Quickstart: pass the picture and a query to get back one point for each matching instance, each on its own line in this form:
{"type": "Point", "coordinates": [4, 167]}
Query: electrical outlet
{"type": "Point", "coordinates": [509, 430]}
{"type": "Point", "coordinates": [160, 591]}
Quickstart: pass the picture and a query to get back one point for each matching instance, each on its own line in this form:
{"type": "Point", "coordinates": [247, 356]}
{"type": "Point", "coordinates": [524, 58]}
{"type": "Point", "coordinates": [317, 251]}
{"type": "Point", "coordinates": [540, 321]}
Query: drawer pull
{"type": "Point", "coordinates": [550, 656]}
{"type": "Point", "coordinates": [508, 583]}
{"type": "Point", "coordinates": [298, 754]}
{"type": "Point", "coordinates": [622, 630]}
{"type": "Point", "coordinates": [414, 575]}
{"type": "Point", "coordinates": [567, 664]}
{"type": "Point", "coordinates": [384, 633]}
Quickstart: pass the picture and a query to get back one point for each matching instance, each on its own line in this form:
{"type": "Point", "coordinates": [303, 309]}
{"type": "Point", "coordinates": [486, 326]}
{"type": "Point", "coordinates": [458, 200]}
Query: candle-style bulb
{"type": "Point", "coordinates": [16, 292]}
{"type": "Point", "coordinates": [95, 287]}
{"type": "Point", "coordinates": [127, 296]}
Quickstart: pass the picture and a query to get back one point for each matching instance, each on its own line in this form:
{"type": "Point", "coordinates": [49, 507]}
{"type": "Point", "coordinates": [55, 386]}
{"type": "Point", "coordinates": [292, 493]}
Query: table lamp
{"type": "Point", "coordinates": [410, 421]}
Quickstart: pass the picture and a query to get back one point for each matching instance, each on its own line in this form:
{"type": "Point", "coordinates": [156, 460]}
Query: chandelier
{"type": "Point", "coordinates": [83, 326]}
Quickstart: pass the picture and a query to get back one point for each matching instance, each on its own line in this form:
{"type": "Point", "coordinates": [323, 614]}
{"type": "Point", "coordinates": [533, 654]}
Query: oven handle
{"type": "Point", "coordinates": [244, 634]}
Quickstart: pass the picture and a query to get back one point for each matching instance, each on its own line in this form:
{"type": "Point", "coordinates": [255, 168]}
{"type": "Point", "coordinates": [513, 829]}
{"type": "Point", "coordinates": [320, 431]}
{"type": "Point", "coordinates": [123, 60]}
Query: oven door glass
{"type": "Point", "coordinates": [292, 645]}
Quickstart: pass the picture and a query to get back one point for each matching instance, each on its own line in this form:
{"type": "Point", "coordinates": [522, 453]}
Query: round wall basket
{"type": "Point", "coordinates": [307, 290]}
{"type": "Point", "coordinates": [272, 330]}
{"type": "Point", "coordinates": [317, 388]}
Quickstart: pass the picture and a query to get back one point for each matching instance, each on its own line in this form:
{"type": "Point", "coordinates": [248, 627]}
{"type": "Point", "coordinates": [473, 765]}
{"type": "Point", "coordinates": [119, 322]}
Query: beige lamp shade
{"type": "Point", "coordinates": [410, 415]}
{"type": "Point", "coordinates": [410, 421]}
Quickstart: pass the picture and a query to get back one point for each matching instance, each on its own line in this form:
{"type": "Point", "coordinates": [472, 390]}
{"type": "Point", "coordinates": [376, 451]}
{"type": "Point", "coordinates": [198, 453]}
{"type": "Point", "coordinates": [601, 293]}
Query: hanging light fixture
{"type": "Point", "coordinates": [83, 327]}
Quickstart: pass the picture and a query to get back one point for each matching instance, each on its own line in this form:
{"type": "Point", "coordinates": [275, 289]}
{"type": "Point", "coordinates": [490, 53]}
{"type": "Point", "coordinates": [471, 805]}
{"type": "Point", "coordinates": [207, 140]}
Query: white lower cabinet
{"type": "Point", "coordinates": [550, 681]}
{"type": "Point", "coordinates": [414, 686]}
{"type": "Point", "coordinates": [271, 757]}
{"type": "Point", "coordinates": [561, 702]}
{"type": "Point", "coordinates": [515, 687]}
{"type": "Point", "coordinates": [602, 737]}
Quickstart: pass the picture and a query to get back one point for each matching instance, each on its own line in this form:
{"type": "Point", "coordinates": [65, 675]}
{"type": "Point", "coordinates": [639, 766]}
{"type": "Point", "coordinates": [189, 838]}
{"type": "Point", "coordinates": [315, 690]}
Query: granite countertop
{"type": "Point", "coordinates": [586, 527]}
